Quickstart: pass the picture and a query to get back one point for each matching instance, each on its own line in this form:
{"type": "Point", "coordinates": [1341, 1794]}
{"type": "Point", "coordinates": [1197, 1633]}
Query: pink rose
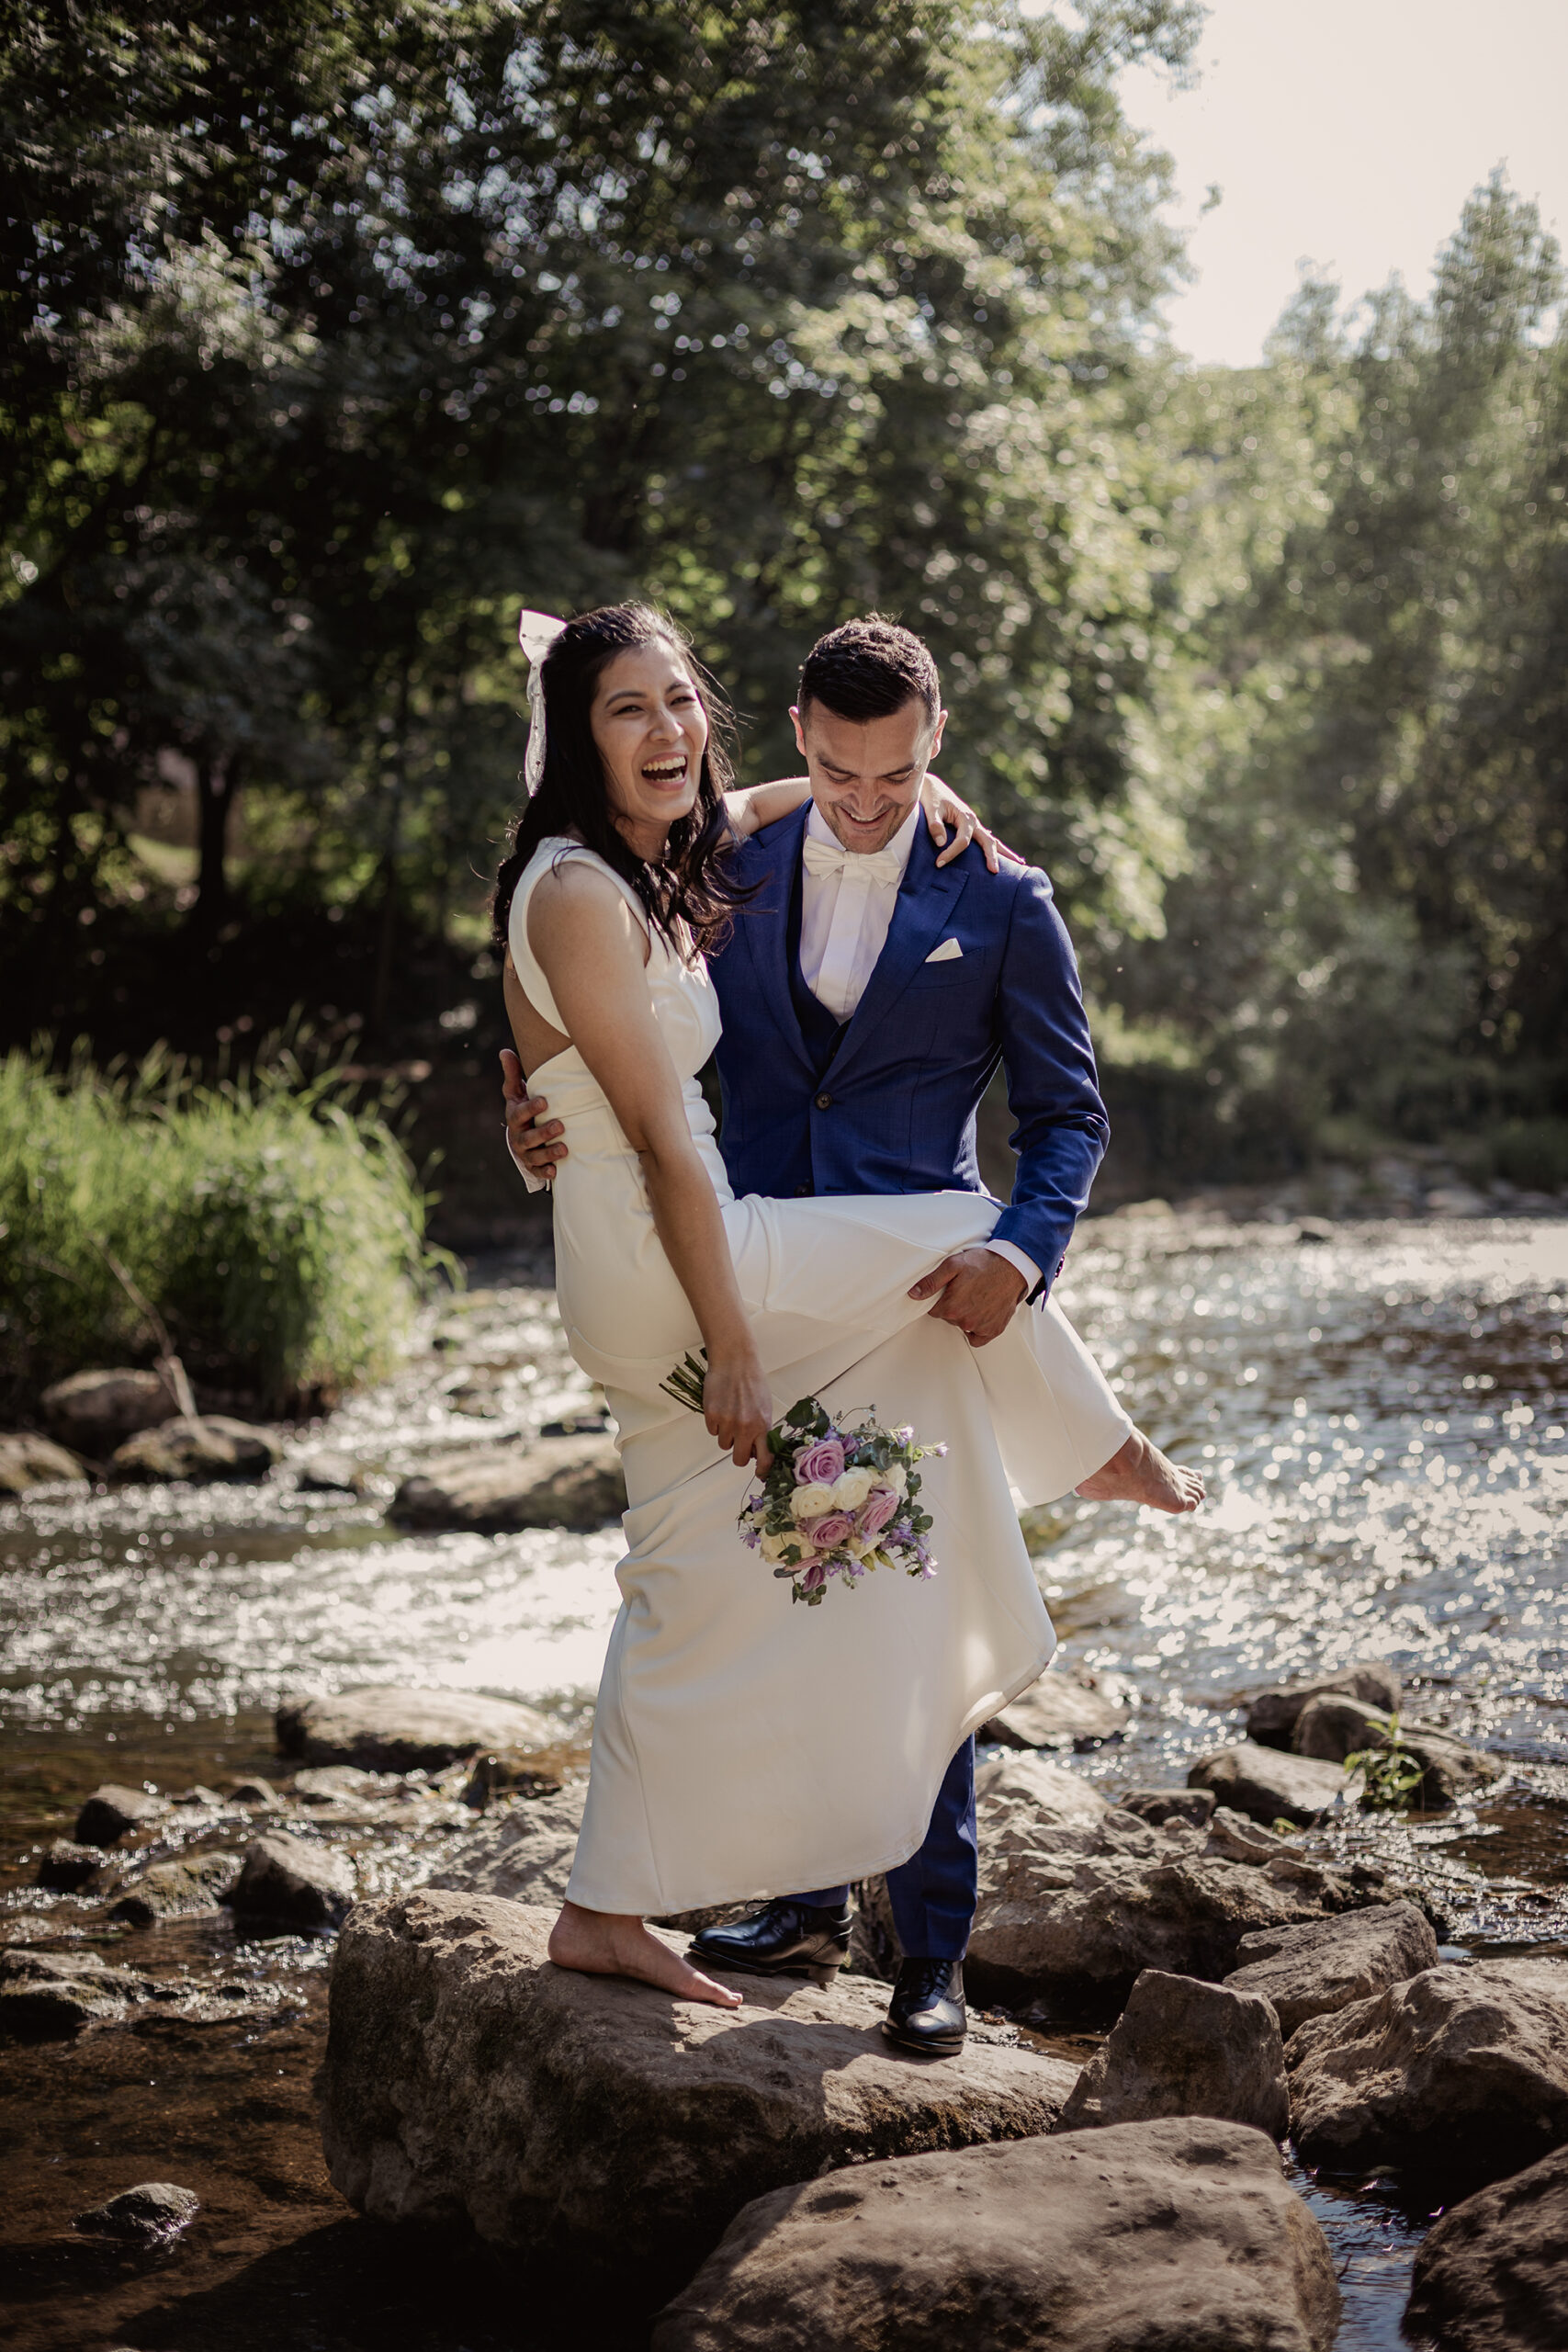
{"type": "Point", "coordinates": [820, 1463]}
{"type": "Point", "coordinates": [825, 1533]}
{"type": "Point", "coordinates": [875, 1512]}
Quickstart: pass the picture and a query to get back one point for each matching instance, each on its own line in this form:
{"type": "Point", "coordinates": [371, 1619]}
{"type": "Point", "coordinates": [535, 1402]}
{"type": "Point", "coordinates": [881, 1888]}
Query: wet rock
{"type": "Point", "coordinates": [210, 1451]}
{"type": "Point", "coordinates": [1336, 1727]}
{"type": "Point", "coordinates": [1491, 2276]}
{"type": "Point", "coordinates": [1181, 2047]}
{"type": "Point", "coordinates": [594, 2121]}
{"type": "Point", "coordinates": [340, 1784]}
{"type": "Point", "coordinates": [1463, 2072]}
{"type": "Point", "coordinates": [332, 1473]}
{"type": "Point", "coordinates": [525, 1854]}
{"type": "Point", "coordinates": [26, 1462]}
{"type": "Point", "coordinates": [94, 1412]}
{"type": "Point", "coordinates": [66, 1868]}
{"type": "Point", "coordinates": [1271, 1714]}
{"type": "Point", "coordinates": [1146, 2237]}
{"type": "Point", "coordinates": [296, 1882]}
{"type": "Point", "coordinates": [573, 1482]}
{"type": "Point", "coordinates": [1157, 1806]}
{"type": "Point", "coordinates": [385, 1728]}
{"type": "Point", "coordinates": [49, 1996]}
{"type": "Point", "coordinates": [148, 2215]}
{"type": "Point", "coordinates": [1048, 1792]}
{"type": "Point", "coordinates": [111, 1810]}
{"type": "Point", "coordinates": [1322, 1965]}
{"type": "Point", "coordinates": [172, 1890]}
{"type": "Point", "coordinates": [1079, 1912]}
{"type": "Point", "coordinates": [1061, 1710]}
{"type": "Point", "coordinates": [1270, 1786]}
{"type": "Point", "coordinates": [259, 1794]}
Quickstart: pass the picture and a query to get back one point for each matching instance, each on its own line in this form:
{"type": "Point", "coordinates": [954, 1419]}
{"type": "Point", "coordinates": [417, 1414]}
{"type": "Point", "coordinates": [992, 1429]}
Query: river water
{"type": "Point", "coordinates": [1380, 1416]}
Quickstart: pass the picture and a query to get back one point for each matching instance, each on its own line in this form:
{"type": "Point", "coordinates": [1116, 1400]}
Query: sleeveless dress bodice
{"type": "Point", "coordinates": [684, 1006]}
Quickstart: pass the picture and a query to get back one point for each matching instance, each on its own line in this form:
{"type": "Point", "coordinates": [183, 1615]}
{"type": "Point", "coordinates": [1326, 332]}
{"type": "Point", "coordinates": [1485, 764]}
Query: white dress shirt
{"type": "Point", "coordinates": [846, 907]}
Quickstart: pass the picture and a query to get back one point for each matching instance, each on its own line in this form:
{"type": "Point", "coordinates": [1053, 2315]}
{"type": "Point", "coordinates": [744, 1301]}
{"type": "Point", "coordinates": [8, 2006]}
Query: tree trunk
{"type": "Point", "coordinates": [215, 781]}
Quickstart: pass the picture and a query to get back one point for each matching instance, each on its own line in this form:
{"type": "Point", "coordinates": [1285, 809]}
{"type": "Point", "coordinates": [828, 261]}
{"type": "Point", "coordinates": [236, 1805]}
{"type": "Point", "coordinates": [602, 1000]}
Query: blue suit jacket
{"type": "Point", "coordinates": [889, 1105]}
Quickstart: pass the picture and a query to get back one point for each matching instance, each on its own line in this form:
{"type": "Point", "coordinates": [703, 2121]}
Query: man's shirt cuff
{"type": "Point", "coordinates": [1015, 1257]}
{"type": "Point", "coordinates": [534, 1183]}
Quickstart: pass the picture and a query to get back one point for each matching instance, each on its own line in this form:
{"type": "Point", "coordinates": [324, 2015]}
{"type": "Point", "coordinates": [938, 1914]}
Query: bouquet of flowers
{"type": "Point", "coordinates": [837, 1501]}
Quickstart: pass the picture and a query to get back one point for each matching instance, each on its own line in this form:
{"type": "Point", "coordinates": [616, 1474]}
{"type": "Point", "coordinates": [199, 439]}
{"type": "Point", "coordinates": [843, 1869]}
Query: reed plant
{"type": "Point", "coordinates": [273, 1222]}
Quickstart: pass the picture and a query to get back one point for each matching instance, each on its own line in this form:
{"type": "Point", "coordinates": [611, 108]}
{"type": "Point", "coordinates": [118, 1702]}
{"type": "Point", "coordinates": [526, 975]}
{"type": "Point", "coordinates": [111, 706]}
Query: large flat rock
{"type": "Point", "coordinates": [94, 1412]}
{"type": "Point", "coordinates": [1462, 2072]}
{"type": "Point", "coordinates": [383, 1727]}
{"type": "Point", "coordinates": [603, 2123]}
{"type": "Point", "coordinates": [1146, 2237]}
{"type": "Point", "coordinates": [573, 1482]}
{"type": "Point", "coordinates": [1493, 2276]}
{"type": "Point", "coordinates": [1269, 1786]}
{"type": "Point", "coordinates": [1322, 1965]}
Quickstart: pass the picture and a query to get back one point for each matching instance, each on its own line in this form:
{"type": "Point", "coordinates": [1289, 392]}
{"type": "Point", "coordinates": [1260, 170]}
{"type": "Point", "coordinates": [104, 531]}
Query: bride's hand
{"type": "Point", "coordinates": [944, 807]}
{"type": "Point", "coordinates": [737, 1406]}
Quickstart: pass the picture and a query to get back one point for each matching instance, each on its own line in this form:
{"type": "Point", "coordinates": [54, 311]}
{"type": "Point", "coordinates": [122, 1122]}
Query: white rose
{"type": "Point", "coordinates": [897, 1478]}
{"type": "Point", "coordinates": [851, 1489]}
{"type": "Point", "coordinates": [772, 1548]}
{"type": "Point", "coordinates": [813, 1502]}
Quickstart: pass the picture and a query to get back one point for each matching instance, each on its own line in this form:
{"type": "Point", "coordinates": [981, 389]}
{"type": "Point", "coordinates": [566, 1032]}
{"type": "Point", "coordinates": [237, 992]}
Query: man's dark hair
{"type": "Point", "coordinates": [869, 669]}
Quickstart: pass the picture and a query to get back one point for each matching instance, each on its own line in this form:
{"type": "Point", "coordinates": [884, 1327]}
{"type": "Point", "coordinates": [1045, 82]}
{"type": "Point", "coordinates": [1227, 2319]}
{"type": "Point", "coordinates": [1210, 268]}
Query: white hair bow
{"type": "Point", "coordinates": [536, 632]}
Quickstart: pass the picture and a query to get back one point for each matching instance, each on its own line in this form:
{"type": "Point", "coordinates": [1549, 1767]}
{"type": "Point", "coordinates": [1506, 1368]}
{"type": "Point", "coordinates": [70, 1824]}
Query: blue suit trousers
{"type": "Point", "coordinates": [933, 1893]}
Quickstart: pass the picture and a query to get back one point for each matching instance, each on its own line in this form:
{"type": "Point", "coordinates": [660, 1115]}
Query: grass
{"type": "Point", "coordinates": [278, 1230]}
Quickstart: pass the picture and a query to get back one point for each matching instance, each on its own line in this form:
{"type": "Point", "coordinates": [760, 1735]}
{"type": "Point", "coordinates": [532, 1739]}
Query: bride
{"type": "Point", "coordinates": [742, 1746]}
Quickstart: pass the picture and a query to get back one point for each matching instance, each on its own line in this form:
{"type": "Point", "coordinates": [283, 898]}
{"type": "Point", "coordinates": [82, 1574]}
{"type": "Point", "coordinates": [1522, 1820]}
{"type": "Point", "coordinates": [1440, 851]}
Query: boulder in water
{"type": "Point", "coordinates": [1271, 1714]}
{"type": "Point", "coordinates": [525, 1853]}
{"type": "Point", "coordinates": [94, 1412]}
{"type": "Point", "coordinates": [49, 1996]}
{"type": "Point", "coordinates": [1334, 1727]}
{"type": "Point", "coordinates": [1462, 2072]}
{"type": "Point", "coordinates": [212, 1450]}
{"type": "Point", "coordinates": [111, 1810]}
{"type": "Point", "coordinates": [150, 2214]}
{"type": "Point", "coordinates": [26, 1462]}
{"type": "Point", "coordinates": [383, 1727]}
{"type": "Point", "coordinates": [1181, 2047]}
{"type": "Point", "coordinates": [1491, 2276]}
{"type": "Point", "coordinates": [1146, 2237]}
{"type": "Point", "coordinates": [1269, 1786]}
{"type": "Point", "coordinates": [573, 1482]}
{"type": "Point", "coordinates": [174, 1889]}
{"type": "Point", "coordinates": [596, 2122]}
{"type": "Point", "coordinates": [1320, 1966]}
{"type": "Point", "coordinates": [1063, 1709]}
{"type": "Point", "coordinates": [293, 1881]}
{"type": "Point", "coordinates": [68, 1867]}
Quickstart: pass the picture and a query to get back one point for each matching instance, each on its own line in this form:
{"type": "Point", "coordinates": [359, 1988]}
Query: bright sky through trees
{"type": "Point", "coordinates": [1348, 133]}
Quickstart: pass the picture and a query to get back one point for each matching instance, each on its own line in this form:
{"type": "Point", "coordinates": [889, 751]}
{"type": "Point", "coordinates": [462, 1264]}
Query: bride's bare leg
{"type": "Point", "coordinates": [1139, 1473]}
{"type": "Point", "coordinates": [614, 1943]}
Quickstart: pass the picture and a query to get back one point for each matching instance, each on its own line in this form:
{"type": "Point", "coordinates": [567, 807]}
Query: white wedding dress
{"type": "Point", "coordinates": [744, 1745]}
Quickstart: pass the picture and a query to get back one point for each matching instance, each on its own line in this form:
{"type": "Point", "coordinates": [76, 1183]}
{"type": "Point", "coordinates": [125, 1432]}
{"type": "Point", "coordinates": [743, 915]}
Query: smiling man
{"type": "Point", "coordinates": [869, 995]}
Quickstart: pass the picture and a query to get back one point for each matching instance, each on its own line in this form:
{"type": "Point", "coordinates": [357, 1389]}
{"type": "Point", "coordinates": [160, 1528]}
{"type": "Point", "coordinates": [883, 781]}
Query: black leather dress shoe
{"type": "Point", "coordinates": [927, 2010]}
{"type": "Point", "coordinates": [784, 1939]}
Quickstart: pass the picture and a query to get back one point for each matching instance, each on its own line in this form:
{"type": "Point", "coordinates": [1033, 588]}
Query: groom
{"type": "Point", "coordinates": [867, 996]}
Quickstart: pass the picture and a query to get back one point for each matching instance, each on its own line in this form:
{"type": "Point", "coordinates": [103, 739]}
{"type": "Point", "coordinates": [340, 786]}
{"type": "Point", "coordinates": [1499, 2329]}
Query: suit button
{"type": "Point", "coordinates": [824, 1101]}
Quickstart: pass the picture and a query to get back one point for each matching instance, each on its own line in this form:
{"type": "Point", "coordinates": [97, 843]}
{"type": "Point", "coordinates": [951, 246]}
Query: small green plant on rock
{"type": "Point", "coordinates": [1391, 1772]}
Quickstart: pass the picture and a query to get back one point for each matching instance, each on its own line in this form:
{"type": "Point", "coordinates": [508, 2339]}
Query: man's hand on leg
{"type": "Point", "coordinates": [975, 1289]}
{"type": "Point", "coordinates": [535, 1147]}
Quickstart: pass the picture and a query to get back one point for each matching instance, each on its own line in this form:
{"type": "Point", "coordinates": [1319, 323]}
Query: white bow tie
{"type": "Point", "coordinates": [827, 858]}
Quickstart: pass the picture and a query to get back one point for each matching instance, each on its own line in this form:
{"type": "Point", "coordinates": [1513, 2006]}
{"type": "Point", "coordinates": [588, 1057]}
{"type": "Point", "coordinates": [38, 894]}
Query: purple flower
{"type": "Point", "coordinates": [820, 1463]}
{"type": "Point", "coordinates": [813, 1578]}
{"type": "Point", "coordinates": [879, 1506]}
{"type": "Point", "coordinates": [825, 1533]}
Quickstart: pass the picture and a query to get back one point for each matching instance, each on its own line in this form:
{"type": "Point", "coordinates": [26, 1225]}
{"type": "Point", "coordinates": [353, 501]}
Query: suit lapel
{"type": "Point", "coordinates": [763, 927]}
{"type": "Point", "coordinates": [926, 899]}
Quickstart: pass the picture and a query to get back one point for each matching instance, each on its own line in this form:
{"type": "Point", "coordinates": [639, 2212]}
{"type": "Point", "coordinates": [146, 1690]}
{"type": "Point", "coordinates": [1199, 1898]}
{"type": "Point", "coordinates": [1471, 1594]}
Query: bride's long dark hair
{"type": "Point", "coordinates": [691, 886]}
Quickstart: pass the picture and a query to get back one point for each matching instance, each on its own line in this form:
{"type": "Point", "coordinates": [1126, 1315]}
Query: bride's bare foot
{"type": "Point", "coordinates": [612, 1943]}
{"type": "Point", "coordinates": [1139, 1473]}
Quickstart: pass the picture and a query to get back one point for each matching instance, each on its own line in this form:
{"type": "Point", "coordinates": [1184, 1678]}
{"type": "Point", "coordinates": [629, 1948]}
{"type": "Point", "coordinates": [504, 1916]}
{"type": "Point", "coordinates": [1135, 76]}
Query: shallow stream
{"type": "Point", "coordinates": [1380, 1416]}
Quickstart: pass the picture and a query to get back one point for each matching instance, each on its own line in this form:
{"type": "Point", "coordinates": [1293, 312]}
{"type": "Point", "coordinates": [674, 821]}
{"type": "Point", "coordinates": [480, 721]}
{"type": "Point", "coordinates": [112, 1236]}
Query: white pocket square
{"type": "Point", "coordinates": [945, 952]}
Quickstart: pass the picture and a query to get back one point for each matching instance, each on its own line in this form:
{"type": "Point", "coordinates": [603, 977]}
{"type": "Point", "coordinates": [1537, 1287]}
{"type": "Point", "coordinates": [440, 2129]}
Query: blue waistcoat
{"type": "Point", "coordinates": [886, 1103]}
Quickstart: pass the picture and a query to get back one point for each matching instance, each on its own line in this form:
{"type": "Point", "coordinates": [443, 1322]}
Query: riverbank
{"type": "Point", "coordinates": [1380, 1413]}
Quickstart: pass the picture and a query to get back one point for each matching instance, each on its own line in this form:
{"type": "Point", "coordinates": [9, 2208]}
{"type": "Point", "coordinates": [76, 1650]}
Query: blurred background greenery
{"type": "Point", "coordinates": [331, 337]}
